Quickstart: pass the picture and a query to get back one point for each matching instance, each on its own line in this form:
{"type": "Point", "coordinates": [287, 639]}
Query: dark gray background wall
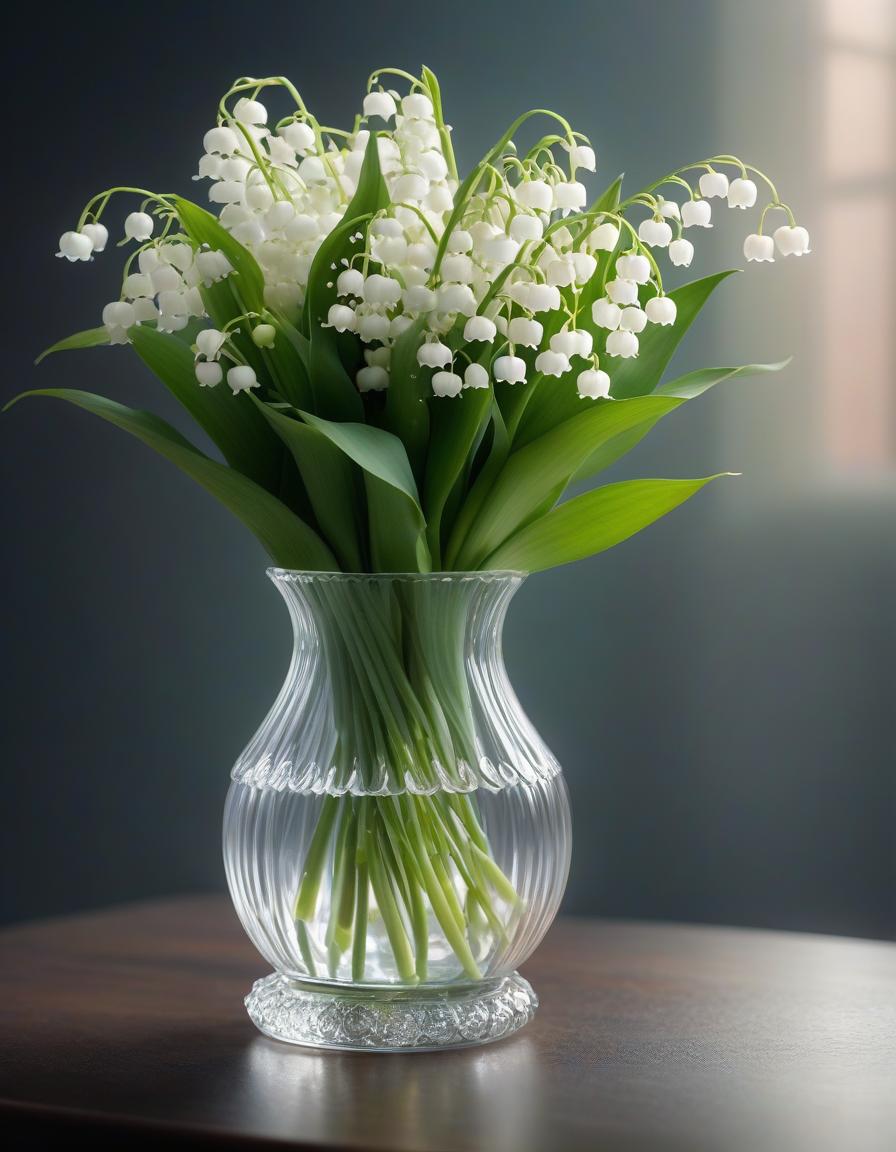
{"type": "Point", "coordinates": [719, 690]}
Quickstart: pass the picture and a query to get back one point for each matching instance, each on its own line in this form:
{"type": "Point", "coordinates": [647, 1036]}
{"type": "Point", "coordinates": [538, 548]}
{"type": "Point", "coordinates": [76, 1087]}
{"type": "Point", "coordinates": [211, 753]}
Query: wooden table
{"type": "Point", "coordinates": [127, 1026]}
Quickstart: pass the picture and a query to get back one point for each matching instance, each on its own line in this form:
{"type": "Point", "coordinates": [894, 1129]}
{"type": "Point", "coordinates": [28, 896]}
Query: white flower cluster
{"type": "Point", "coordinates": [499, 276]}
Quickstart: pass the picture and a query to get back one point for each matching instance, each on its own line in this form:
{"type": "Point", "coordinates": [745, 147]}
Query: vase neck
{"type": "Point", "coordinates": [397, 683]}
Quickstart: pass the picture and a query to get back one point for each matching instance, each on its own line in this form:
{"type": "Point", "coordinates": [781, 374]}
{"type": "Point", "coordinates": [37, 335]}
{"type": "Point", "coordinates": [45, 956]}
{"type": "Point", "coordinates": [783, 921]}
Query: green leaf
{"type": "Point", "coordinates": [406, 412]}
{"type": "Point", "coordinates": [635, 377]}
{"type": "Point", "coordinates": [90, 338]}
{"type": "Point", "coordinates": [205, 229]}
{"type": "Point", "coordinates": [685, 388]}
{"type": "Point", "coordinates": [608, 201]}
{"type": "Point", "coordinates": [330, 480]}
{"type": "Point", "coordinates": [641, 374]}
{"type": "Point", "coordinates": [288, 540]}
{"type": "Point", "coordinates": [456, 426]}
{"type": "Point", "coordinates": [592, 523]}
{"type": "Point", "coordinates": [335, 395]}
{"type": "Point", "coordinates": [695, 383]}
{"type": "Point", "coordinates": [397, 525]}
{"type": "Point", "coordinates": [482, 485]}
{"type": "Point", "coordinates": [547, 464]}
{"type": "Point", "coordinates": [231, 422]}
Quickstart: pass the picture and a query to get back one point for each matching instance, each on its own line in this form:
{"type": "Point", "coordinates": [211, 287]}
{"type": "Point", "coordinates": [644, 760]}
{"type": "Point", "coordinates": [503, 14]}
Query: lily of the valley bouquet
{"type": "Point", "coordinates": [404, 369]}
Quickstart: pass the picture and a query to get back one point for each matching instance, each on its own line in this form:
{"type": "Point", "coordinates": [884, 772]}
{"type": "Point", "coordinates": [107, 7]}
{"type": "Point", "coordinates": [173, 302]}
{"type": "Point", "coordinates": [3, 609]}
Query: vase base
{"type": "Point", "coordinates": [389, 1020]}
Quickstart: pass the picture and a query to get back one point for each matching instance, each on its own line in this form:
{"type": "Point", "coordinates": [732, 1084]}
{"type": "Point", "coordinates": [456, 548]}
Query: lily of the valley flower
{"type": "Point", "coordinates": [622, 344]}
{"type": "Point", "coordinates": [696, 214]}
{"type": "Point", "coordinates": [593, 384]}
{"type": "Point", "coordinates": [660, 310]}
{"type": "Point", "coordinates": [241, 378]}
{"type": "Point", "coordinates": [760, 248]}
{"type": "Point", "coordinates": [509, 369]}
{"type": "Point", "coordinates": [446, 384]}
{"type": "Point", "coordinates": [791, 241]}
{"type": "Point", "coordinates": [742, 193]}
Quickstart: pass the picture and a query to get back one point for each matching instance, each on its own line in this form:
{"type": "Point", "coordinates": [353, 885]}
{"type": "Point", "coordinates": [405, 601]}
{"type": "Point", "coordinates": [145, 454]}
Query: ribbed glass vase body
{"type": "Point", "coordinates": [396, 822]}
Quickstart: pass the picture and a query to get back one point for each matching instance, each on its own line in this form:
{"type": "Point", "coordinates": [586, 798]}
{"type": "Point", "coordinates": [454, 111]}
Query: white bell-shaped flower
{"type": "Point", "coordinates": [248, 111]}
{"type": "Point", "coordinates": [456, 298]}
{"type": "Point", "coordinates": [550, 363]}
{"type": "Point", "coordinates": [225, 192]}
{"type": "Point", "coordinates": [97, 234]}
{"type": "Point", "coordinates": [713, 184]}
{"type": "Point", "coordinates": [622, 291]}
{"type": "Point", "coordinates": [543, 298]}
{"type": "Point", "coordinates": [145, 310]}
{"type": "Point", "coordinates": [301, 228]}
{"type": "Point", "coordinates": [259, 197]}
{"type": "Point", "coordinates": [457, 267]}
{"type": "Point", "coordinates": [433, 165]}
{"type": "Point", "coordinates": [509, 369]}
{"type": "Point", "coordinates": [380, 104]}
{"type": "Point", "coordinates": [475, 376]}
{"type": "Point", "coordinates": [696, 214]}
{"type": "Point", "coordinates": [416, 106]}
{"type": "Point", "coordinates": [500, 249]}
{"type": "Point", "coordinates": [439, 198]}
{"type": "Point", "coordinates": [221, 140]}
{"type": "Point", "coordinates": [759, 248]}
{"type": "Point", "coordinates": [606, 314]}
{"type": "Point", "coordinates": [446, 384]}
{"type": "Point", "coordinates": [378, 357]}
{"type": "Point", "coordinates": [582, 156]}
{"type": "Point", "coordinates": [632, 320]}
{"type": "Point", "coordinates": [741, 193]}
{"type": "Point", "coordinates": [419, 298]}
{"type": "Point", "coordinates": [633, 267]}
{"type": "Point", "coordinates": [137, 285]}
{"type": "Point", "coordinates": [166, 278]}
{"type": "Point", "coordinates": [568, 343]}
{"type": "Point", "coordinates": [434, 354]}
{"type": "Point", "coordinates": [209, 343]}
{"type": "Point", "coordinates": [570, 196]}
{"type": "Point", "coordinates": [584, 266]}
{"type": "Point", "coordinates": [681, 252]}
{"type": "Point", "coordinates": [299, 136]}
{"type": "Point", "coordinates": [209, 373]}
{"type": "Point", "coordinates": [373, 326]}
{"type": "Point", "coordinates": [604, 238]}
{"type": "Point", "coordinates": [75, 246]}
{"type": "Point", "coordinates": [241, 378]}
{"type": "Point", "coordinates": [409, 186]}
{"type": "Point", "coordinates": [372, 378]}
{"type": "Point", "coordinates": [536, 194]}
{"type": "Point", "coordinates": [561, 272]}
{"type": "Point", "coordinates": [593, 384]}
{"type": "Point", "coordinates": [119, 314]}
{"type": "Point", "coordinates": [479, 328]}
{"type": "Point", "coordinates": [382, 290]}
{"type": "Point", "coordinates": [138, 226]}
{"type": "Point", "coordinates": [660, 310]}
{"type": "Point", "coordinates": [656, 233]}
{"type": "Point", "coordinates": [524, 227]}
{"type": "Point", "coordinates": [212, 266]}
{"type": "Point", "coordinates": [526, 333]}
{"type": "Point", "coordinates": [623, 344]}
{"type": "Point", "coordinates": [350, 283]}
{"type": "Point", "coordinates": [342, 318]}
{"type": "Point", "coordinates": [669, 209]}
{"type": "Point", "coordinates": [459, 241]}
{"type": "Point", "coordinates": [791, 241]}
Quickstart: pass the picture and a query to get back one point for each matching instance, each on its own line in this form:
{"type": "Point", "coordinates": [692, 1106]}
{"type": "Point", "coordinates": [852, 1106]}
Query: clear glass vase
{"type": "Point", "coordinates": [396, 834]}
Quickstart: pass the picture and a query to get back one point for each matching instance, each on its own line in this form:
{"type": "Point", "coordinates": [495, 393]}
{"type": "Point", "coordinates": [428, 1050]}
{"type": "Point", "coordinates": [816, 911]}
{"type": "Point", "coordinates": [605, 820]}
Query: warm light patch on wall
{"type": "Point", "coordinates": [859, 111]}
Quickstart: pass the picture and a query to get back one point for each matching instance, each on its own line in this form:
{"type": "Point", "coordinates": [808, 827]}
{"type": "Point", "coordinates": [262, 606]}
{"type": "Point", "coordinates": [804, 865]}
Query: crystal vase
{"type": "Point", "coordinates": [396, 833]}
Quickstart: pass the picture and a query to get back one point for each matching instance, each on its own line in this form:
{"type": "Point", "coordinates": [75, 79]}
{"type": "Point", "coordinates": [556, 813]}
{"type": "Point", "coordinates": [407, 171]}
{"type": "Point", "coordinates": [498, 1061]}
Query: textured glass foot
{"type": "Point", "coordinates": [381, 1020]}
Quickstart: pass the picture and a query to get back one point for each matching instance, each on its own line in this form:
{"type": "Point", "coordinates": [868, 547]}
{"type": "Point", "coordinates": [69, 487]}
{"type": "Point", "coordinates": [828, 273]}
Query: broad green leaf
{"type": "Point", "coordinates": [685, 388]}
{"type": "Point", "coordinates": [90, 338]}
{"type": "Point", "coordinates": [335, 395]}
{"type": "Point", "coordinates": [397, 525]}
{"type": "Point", "coordinates": [406, 413]}
{"type": "Point", "coordinates": [635, 377]}
{"type": "Point", "coordinates": [330, 480]}
{"type": "Point", "coordinates": [205, 229]}
{"type": "Point", "coordinates": [608, 201]}
{"type": "Point", "coordinates": [498, 452]}
{"type": "Point", "coordinates": [455, 427]}
{"type": "Point", "coordinates": [592, 523]}
{"type": "Point", "coordinates": [231, 422]}
{"type": "Point", "coordinates": [695, 383]}
{"type": "Point", "coordinates": [289, 541]}
{"type": "Point", "coordinates": [547, 464]}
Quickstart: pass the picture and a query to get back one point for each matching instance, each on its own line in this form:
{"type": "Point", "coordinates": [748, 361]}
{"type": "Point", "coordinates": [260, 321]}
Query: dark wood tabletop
{"type": "Point", "coordinates": [127, 1026]}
